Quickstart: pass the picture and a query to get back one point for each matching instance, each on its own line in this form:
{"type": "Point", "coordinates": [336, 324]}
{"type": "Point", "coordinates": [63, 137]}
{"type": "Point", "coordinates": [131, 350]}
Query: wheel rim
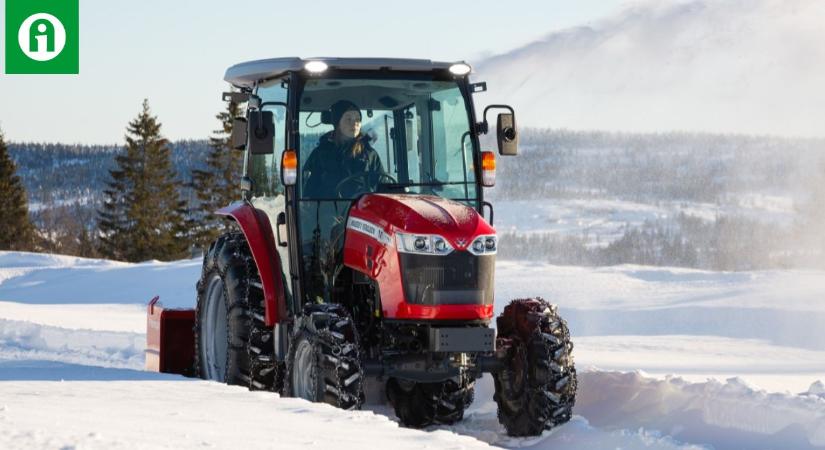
{"type": "Point", "coordinates": [213, 331]}
{"type": "Point", "coordinates": [303, 374]}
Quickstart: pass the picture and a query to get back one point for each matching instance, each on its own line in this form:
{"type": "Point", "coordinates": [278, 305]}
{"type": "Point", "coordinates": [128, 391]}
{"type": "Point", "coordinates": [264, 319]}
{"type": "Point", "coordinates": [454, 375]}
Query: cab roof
{"type": "Point", "coordinates": [246, 74]}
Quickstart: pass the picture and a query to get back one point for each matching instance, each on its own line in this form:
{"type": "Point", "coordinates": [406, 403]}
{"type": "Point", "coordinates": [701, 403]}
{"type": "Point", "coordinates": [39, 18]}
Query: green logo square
{"type": "Point", "coordinates": [42, 36]}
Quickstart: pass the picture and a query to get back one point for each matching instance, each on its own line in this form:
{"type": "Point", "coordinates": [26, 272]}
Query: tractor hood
{"type": "Point", "coordinates": [423, 214]}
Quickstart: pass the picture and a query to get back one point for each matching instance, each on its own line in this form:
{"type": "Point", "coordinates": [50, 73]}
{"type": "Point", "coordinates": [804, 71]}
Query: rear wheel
{"type": "Point", "coordinates": [233, 344]}
{"type": "Point", "coordinates": [536, 390]}
{"type": "Point", "coordinates": [324, 362]}
{"type": "Point", "coordinates": [418, 405]}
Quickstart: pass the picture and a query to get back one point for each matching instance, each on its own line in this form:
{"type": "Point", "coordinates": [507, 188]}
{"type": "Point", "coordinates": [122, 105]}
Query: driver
{"type": "Point", "coordinates": [342, 154]}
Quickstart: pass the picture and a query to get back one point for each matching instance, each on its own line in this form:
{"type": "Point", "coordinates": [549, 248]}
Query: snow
{"type": "Point", "coordinates": [35, 206]}
{"type": "Point", "coordinates": [602, 221]}
{"type": "Point", "coordinates": [642, 288]}
{"type": "Point", "coordinates": [729, 66]}
{"type": "Point", "coordinates": [36, 278]}
{"type": "Point", "coordinates": [817, 388]}
{"type": "Point", "coordinates": [698, 358]}
{"type": "Point", "coordinates": [110, 317]}
{"type": "Point", "coordinates": [110, 408]}
{"type": "Point", "coordinates": [27, 341]}
{"type": "Point", "coordinates": [669, 358]}
{"type": "Point", "coordinates": [727, 414]}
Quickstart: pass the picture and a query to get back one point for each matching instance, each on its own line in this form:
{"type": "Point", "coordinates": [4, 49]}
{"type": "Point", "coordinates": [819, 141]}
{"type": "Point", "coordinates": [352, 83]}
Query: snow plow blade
{"type": "Point", "coordinates": [170, 340]}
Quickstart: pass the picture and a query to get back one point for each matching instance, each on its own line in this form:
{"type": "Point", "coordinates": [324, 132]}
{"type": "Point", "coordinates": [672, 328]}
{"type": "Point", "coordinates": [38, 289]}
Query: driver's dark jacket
{"type": "Point", "coordinates": [329, 164]}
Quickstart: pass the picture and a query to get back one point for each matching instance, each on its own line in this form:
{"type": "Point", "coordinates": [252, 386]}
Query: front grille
{"type": "Point", "coordinates": [459, 278]}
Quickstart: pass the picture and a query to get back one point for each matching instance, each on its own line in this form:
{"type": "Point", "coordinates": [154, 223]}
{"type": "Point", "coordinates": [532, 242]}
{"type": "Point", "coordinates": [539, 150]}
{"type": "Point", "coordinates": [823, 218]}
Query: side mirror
{"type": "Point", "coordinates": [261, 132]}
{"type": "Point", "coordinates": [238, 138]}
{"type": "Point", "coordinates": [506, 134]}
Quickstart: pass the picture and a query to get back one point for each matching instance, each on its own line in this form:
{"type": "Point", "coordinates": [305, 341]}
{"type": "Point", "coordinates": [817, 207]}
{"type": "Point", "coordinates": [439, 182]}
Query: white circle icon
{"type": "Point", "coordinates": [44, 41]}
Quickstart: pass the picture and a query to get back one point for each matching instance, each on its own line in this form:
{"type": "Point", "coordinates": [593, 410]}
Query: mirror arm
{"type": "Point", "coordinates": [235, 97]}
{"type": "Point", "coordinates": [240, 97]}
{"type": "Point", "coordinates": [483, 127]}
{"type": "Point", "coordinates": [262, 105]}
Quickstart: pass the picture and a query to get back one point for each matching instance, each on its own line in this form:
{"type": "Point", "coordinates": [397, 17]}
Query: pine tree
{"type": "Point", "coordinates": [143, 216]}
{"type": "Point", "coordinates": [216, 186]}
{"type": "Point", "coordinates": [16, 230]}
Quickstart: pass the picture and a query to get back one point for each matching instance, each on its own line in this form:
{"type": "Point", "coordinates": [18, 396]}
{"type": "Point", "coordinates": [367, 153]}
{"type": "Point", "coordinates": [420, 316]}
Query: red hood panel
{"type": "Point", "coordinates": [423, 214]}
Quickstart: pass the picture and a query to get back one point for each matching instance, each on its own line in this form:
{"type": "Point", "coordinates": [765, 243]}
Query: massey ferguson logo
{"type": "Point", "coordinates": [369, 229]}
{"type": "Point", "coordinates": [461, 242]}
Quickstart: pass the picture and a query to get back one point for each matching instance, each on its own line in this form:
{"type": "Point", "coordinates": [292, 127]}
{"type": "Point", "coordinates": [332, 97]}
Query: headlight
{"type": "Point", "coordinates": [423, 244]}
{"type": "Point", "coordinates": [484, 245]}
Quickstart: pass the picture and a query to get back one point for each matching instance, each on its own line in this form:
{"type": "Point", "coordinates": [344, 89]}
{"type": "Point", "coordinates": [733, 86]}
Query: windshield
{"type": "Point", "coordinates": [384, 135]}
{"type": "Point", "coordinates": [361, 135]}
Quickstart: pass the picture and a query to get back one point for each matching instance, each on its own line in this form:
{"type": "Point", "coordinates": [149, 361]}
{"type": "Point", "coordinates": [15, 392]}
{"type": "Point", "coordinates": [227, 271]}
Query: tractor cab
{"type": "Point", "coordinates": [417, 136]}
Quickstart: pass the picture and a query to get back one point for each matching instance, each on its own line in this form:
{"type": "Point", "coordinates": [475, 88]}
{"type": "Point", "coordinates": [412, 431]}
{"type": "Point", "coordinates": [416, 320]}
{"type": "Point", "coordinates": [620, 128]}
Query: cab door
{"type": "Point", "coordinates": [268, 193]}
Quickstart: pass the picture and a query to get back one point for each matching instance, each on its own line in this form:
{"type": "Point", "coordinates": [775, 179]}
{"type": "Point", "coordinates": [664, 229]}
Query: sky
{"type": "Point", "coordinates": [175, 54]}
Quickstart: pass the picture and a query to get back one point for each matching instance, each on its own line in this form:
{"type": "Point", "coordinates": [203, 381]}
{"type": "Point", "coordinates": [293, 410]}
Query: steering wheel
{"type": "Point", "coordinates": [361, 181]}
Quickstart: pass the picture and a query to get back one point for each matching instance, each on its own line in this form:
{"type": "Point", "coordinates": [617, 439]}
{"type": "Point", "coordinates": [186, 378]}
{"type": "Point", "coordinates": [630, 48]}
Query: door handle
{"type": "Point", "coordinates": [281, 220]}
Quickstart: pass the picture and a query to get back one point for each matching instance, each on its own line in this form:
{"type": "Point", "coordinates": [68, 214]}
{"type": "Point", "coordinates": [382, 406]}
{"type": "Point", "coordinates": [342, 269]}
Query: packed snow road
{"type": "Point", "coordinates": [648, 339]}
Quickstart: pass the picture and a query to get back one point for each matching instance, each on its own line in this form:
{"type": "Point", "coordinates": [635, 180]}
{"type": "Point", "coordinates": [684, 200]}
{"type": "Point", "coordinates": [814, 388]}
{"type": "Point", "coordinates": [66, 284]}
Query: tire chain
{"type": "Point", "coordinates": [349, 354]}
{"type": "Point", "coordinates": [343, 354]}
{"type": "Point", "coordinates": [443, 407]}
{"type": "Point", "coordinates": [265, 371]}
{"type": "Point", "coordinates": [213, 254]}
{"type": "Point", "coordinates": [550, 391]}
{"type": "Point", "coordinates": [262, 364]}
{"type": "Point", "coordinates": [465, 389]}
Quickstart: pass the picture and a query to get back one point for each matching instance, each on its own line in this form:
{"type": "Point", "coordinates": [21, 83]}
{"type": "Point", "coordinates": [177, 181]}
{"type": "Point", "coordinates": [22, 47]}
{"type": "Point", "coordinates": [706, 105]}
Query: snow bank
{"type": "Point", "coordinates": [30, 341]}
{"type": "Point", "coordinates": [784, 307]}
{"type": "Point", "coordinates": [101, 316]}
{"type": "Point", "coordinates": [817, 388]}
{"type": "Point", "coordinates": [731, 415]}
{"type": "Point", "coordinates": [630, 287]}
{"type": "Point", "coordinates": [52, 279]}
{"type": "Point", "coordinates": [697, 358]}
{"type": "Point", "coordinates": [578, 433]}
{"type": "Point", "coordinates": [40, 260]}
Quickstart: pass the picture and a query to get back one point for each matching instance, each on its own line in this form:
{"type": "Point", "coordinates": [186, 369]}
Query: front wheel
{"type": "Point", "coordinates": [536, 389]}
{"type": "Point", "coordinates": [324, 363]}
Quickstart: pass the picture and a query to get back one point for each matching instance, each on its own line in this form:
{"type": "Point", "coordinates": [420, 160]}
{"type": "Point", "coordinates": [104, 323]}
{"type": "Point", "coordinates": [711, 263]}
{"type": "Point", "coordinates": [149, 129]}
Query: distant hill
{"type": "Point", "coordinates": [729, 66]}
{"type": "Point", "coordinates": [62, 173]}
{"type": "Point", "coordinates": [553, 163]}
{"type": "Point", "coordinates": [725, 202]}
{"type": "Point", "coordinates": [646, 167]}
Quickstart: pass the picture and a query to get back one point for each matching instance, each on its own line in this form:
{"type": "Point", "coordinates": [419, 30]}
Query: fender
{"type": "Point", "coordinates": [257, 230]}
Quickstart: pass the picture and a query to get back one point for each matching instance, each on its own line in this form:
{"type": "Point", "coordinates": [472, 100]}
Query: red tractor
{"type": "Point", "coordinates": [362, 253]}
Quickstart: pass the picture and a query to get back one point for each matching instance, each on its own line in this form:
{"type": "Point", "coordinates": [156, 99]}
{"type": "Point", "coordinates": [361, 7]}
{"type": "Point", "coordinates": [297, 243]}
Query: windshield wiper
{"type": "Point", "coordinates": [403, 185]}
{"type": "Point", "coordinates": [432, 183]}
